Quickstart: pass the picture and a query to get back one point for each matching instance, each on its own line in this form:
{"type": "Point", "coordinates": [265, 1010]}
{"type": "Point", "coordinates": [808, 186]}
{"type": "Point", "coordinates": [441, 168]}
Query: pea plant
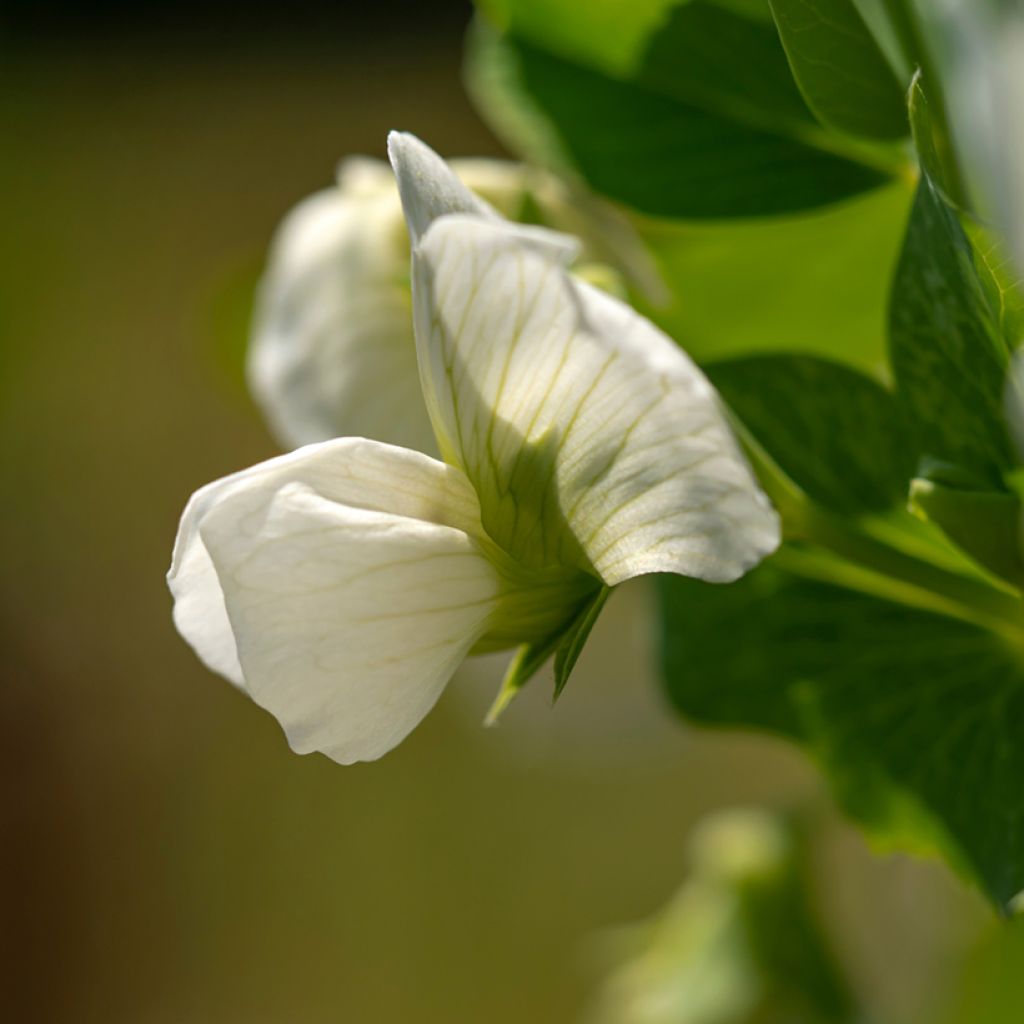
{"type": "Point", "coordinates": [742, 317]}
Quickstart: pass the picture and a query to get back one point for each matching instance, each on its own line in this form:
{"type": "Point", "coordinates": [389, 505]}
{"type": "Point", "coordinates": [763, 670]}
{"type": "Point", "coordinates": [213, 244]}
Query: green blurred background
{"type": "Point", "coordinates": [166, 858]}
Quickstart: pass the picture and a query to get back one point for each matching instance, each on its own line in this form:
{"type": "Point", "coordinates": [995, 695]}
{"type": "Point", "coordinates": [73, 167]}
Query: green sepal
{"type": "Point", "coordinates": [565, 644]}
{"type": "Point", "coordinates": [574, 638]}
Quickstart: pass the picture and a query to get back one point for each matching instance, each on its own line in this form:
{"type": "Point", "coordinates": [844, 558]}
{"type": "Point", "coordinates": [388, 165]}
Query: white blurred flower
{"type": "Point", "coordinates": [341, 585]}
{"type": "Point", "coordinates": [332, 351]}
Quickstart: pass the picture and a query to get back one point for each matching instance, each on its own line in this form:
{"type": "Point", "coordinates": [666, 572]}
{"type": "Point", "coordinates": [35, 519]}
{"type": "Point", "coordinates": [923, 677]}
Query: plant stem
{"type": "Point", "coordinates": [865, 563]}
{"type": "Point", "coordinates": [836, 549]}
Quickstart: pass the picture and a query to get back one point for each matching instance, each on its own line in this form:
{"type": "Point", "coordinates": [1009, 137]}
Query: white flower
{"type": "Point", "coordinates": [341, 585]}
{"type": "Point", "coordinates": [332, 351]}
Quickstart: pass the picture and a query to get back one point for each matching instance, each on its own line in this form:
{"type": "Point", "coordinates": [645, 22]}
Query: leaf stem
{"type": "Point", "coordinates": [855, 558]}
{"type": "Point", "coordinates": [823, 545]}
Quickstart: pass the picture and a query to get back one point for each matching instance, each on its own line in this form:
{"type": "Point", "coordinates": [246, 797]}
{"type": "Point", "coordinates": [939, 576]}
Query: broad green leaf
{"type": "Point", "coordinates": [816, 284]}
{"type": "Point", "coordinates": [707, 124]}
{"type": "Point", "coordinates": [841, 71]}
{"type": "Point", "coordinates": [948, 350]}
{"type": "Point", "coordinates": [607, 35]}
{"type": "Point", "coordinates": [837, 434]}
{"type": "Point", "coordinates": [916, 718]}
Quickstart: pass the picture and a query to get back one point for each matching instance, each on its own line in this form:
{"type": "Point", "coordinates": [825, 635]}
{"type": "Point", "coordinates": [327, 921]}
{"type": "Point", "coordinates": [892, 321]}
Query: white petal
{"type": "Point", "coordinates": [332, 350]}
{"type": "Point", "coordinates": [427, 185]}
{"type": "Point", "coordinates": [430, 189]}
{"type": "Point", "coordinates": [349, 589]}
{"type": "Point", "coordinates": [590, 437]}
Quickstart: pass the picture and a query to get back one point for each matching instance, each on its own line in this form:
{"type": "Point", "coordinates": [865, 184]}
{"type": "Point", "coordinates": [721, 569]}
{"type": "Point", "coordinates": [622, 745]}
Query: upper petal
{"type": "Point", "coordinates": [340, 584]}
{"type": "Point", "coordinates": [430, 189]}
{"type": "Point", "coordinates": [428, 186]}
{"type": "Point", "coordinates": [332, 350]}
{"type": "Point", "coordinates": [590, 437]}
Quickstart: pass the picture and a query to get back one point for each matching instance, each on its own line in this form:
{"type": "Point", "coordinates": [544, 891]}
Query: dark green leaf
{"type": "Point", "coordinates": [837, 434]}
{"type": "Point", "coordinates": [947, 345]}
{"type": "Point", "coordinates": [915, 718]}
{"type": "Point", "coordinates": [707, 123]}
{"type": "Point", "coordinates": [841, 72]}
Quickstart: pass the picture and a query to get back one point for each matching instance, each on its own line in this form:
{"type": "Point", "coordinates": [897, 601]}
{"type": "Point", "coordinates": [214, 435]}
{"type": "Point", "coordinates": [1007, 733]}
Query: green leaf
{"type": "Point", "coordinates": [841, 72]}
{"type": "Point", "coordinates": [915, 718]}
{"type": "Point", "coordinates": [948, 349]}
{"type": "Point", "coordinates": [708, 122]}
{"type": "Point", "coordinates": [817, 284]}
{"type": "Point", "coordinates": [837, 434]}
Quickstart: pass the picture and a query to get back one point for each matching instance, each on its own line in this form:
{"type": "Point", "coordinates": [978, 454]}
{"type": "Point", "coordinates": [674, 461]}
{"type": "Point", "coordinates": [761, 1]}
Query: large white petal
{"type": "Point", "coordinates": [339, 585]}
{"type": "Point", "coordinates": [591, 438]}
{"type": "Point", "coordinates": [332, 350]}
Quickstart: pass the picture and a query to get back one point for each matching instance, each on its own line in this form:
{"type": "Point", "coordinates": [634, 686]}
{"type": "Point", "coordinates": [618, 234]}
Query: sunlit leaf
{"type": "Point", "coordinates": [706, 122]}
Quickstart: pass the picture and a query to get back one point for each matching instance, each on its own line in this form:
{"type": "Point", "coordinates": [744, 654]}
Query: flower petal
{"type": "Point", "coordinates": [428, 186]}
{"type": "Point", "coordinates": [350, 588]}
{"type": "Point", "coordinates": [332, 350]}
{"type": "Point", "coordinates": [590, 437]}
{"type": "Point", "coordinates": [430, 189]}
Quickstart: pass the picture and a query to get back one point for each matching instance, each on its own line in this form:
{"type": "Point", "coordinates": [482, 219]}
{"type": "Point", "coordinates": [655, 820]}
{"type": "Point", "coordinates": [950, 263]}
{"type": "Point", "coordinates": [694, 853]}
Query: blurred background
{"type": "Point", "coordinates": [166, 858]}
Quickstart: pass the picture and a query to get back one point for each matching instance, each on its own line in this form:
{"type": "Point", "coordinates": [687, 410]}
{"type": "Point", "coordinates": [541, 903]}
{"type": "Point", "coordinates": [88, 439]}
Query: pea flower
{"type": "Point", "coordinates": [332, 351]}
{"type": "Point", "coordinates": [342, 584]}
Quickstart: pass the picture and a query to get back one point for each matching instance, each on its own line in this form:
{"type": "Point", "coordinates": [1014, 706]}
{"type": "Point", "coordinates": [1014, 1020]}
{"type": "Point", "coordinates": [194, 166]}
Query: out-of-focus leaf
{"type": "Point", "coordinates": [740, 942]}
{"type": "Point", "coordinates": [837, 434]}
{"type": "Point", "coordinates": [947, 345]}
{"type": "Point", "coordinates": [816, 284]}
{"type": "Point", "coordinates": [841, 72]}
{"type": "Point", "coordinates": [606, 34]}
{"type": "Point", "coordinates": [708, 123]}
{"type": "Point", "coordinates": [915, 718]}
